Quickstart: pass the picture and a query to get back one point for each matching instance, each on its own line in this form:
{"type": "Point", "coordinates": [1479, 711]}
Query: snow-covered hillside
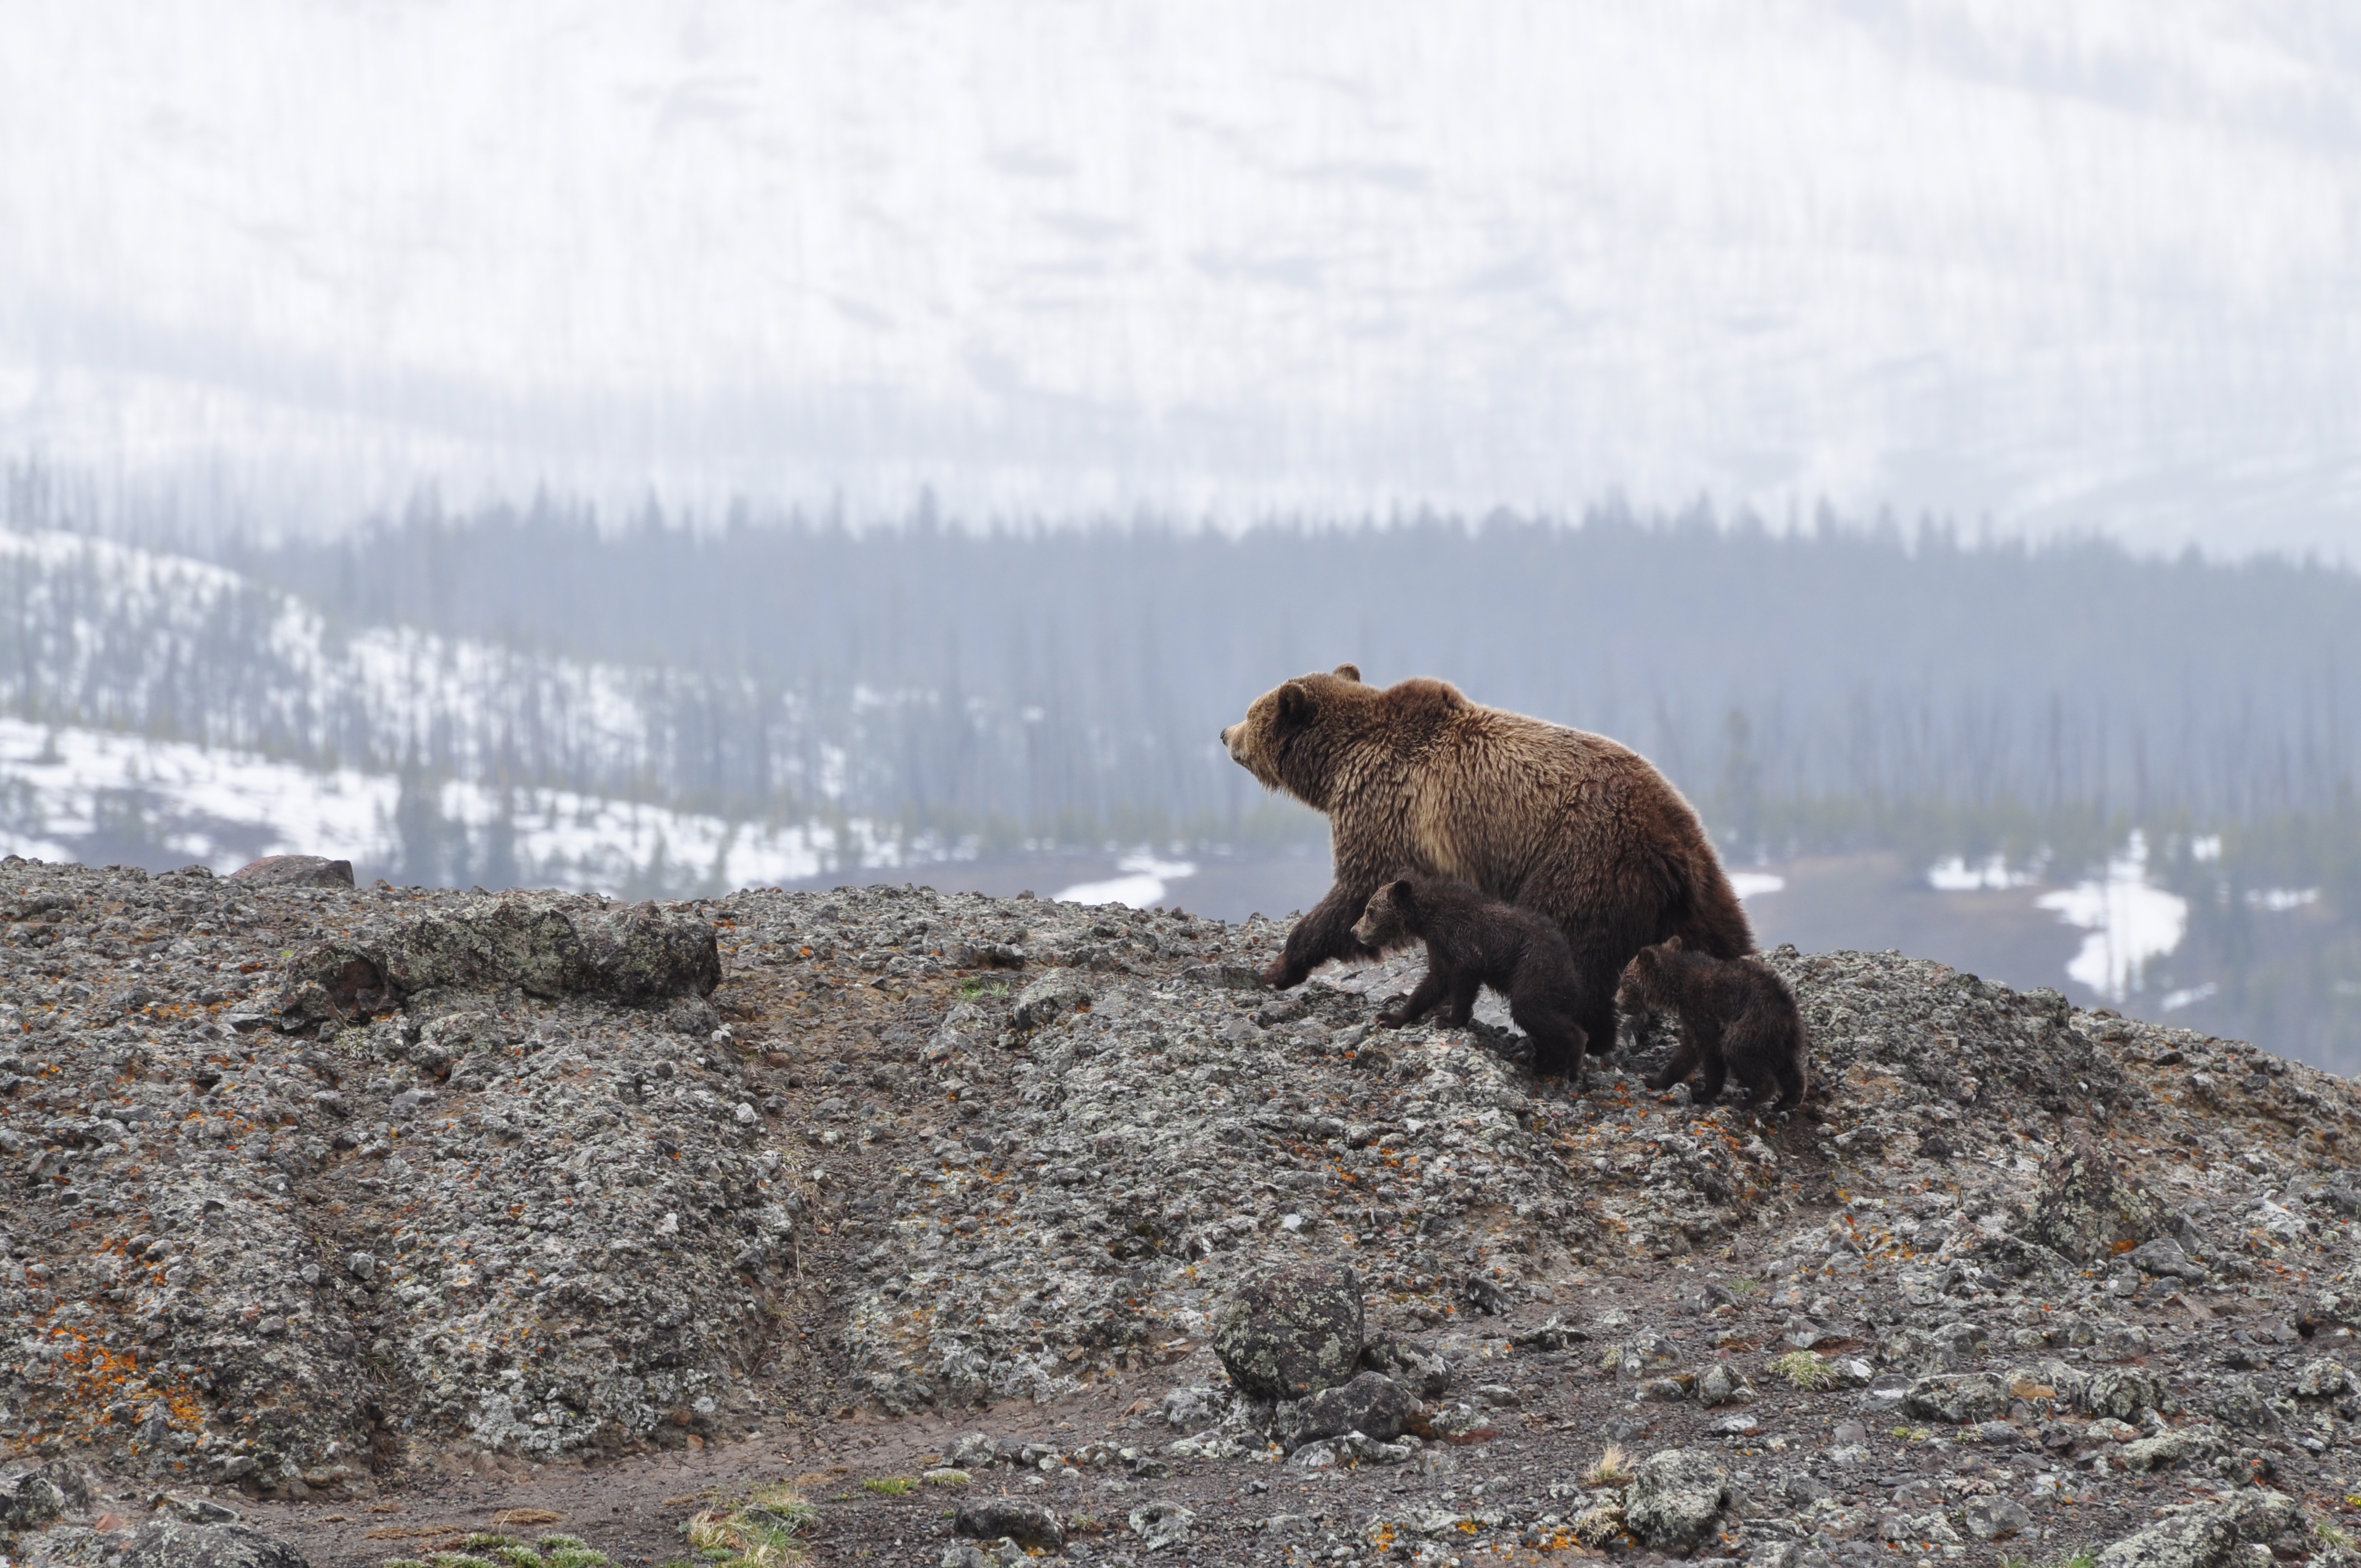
{"type": "Point", "coordinates": [72, 794]}
{"type": "Point", "coordinates": [2082, 265]}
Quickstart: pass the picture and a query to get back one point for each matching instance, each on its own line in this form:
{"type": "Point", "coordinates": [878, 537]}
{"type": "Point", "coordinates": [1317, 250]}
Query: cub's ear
{"type": "Point", "coordinates": [1400, 891]}
{"type": "Point", "coordinates": [1350, 671]}
{"type": "Point", "coordinates": [1672, 944]}
{"type": "Point", "coordinates": [1294, 703]}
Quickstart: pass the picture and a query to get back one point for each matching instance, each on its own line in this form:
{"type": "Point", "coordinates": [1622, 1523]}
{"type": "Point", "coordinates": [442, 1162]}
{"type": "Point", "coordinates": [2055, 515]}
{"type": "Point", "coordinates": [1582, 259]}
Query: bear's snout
{"type": "Point", "coordinates": [1231, 745]}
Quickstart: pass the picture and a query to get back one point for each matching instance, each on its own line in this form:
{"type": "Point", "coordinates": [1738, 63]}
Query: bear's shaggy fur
{"type": "Point", "coordinates": [1473, 941]}
{"type": "Point", "coordinates": [1566, 824]}
{"type": "Point", "coordinates": [1737, 1015]}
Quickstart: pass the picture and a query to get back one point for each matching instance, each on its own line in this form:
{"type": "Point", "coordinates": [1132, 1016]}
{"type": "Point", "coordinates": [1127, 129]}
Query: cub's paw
{"type": "Point", "coordinates": [1391, 1018]}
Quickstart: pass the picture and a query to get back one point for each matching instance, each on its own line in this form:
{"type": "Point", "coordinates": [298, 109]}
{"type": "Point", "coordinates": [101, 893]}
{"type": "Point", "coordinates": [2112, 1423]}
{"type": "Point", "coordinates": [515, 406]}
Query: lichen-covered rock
{"type": "Point", "coordinates": [1161, 1524]}
{"type": "Point", "coordinates": [2206, 1535]}
{"type": "Point", "coordinates": [31, 1496]}
{"type": "Point", "coordinates": [2323, 1377]}
{"type": "Point", "coordinates": [1051, 997]}
{"type": "Point", "coordinates": [2122, 1392]}
{"type": "Point", "coordinates": [1021, 1519]}
{"type": "Point", "coordinates": [1996, 1518]}
{"type": "Point", "coordinates": [295, 870]}
{"type": "Point", "coordinates": [546, 944]}
{"type": "Point", "coordinates": [1371, 1404]}
{"type": "Point", "coordinates": [1291, 1331]}
{"type": "Point", "coordinates": [1957, 1398]}
{"type": "Point", "coordinates": [2088, 1207]}
{"type": "Point", "coordinates": [1676, 1499]}
{"type": "Point", "coordinates": [174, 1543]}
{"type": "Point", "coordinates": [1424, 1373]}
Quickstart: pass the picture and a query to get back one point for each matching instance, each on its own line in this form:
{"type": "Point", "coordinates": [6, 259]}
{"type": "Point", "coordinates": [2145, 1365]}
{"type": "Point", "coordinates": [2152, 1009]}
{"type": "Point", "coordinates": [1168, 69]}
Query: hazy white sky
{"type": "Point", "coordinates": [2071, 266]}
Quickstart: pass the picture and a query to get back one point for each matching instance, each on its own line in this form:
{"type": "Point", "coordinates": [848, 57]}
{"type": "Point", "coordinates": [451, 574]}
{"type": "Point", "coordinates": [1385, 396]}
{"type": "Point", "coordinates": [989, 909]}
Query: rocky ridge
{"type": "Point", "coordinates": [318, 1192]}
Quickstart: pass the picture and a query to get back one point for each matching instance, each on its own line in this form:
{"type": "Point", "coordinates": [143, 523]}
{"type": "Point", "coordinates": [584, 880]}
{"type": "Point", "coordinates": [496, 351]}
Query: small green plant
{"type": "Point", "coordinates": [489, 1549]}
{"type": "Point", "coordinates": [890, 1485]}
{"type": "Point", "coordinates": [763, 1531]}
{"type": "Point", "coordinates": [2329, 1530]}
{"type": "Point", "coordinates": [946, 1478]}
{"type": "Point", "coordinates": [2080, 1557]}
{"type": "Point", "coordinates": [1805, 1370]}
{"type": "Point", "coordinates": [1087, 1524]}
{"type": "Point", "coordinates": [976, 985]}
{"type": "Point", "coordinates": [1920, 1434]}
{"type": "Point", "coordinates": [1743, 1285]}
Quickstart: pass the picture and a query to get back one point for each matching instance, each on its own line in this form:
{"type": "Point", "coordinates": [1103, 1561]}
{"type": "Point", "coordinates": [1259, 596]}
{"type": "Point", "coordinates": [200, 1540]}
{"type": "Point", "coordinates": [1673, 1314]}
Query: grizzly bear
{"type": "Point", "coordinates": [1737, 1015]}
{"type": "Point", "coordinates": [1566, 824]}
{"type": "Point", "coordinates": [1473, 941]}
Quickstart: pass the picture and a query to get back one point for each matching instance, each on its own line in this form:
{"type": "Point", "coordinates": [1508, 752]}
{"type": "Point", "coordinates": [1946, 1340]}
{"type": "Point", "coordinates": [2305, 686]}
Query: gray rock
{"type": "Point", "coordinates": [1996, 1518]}
{"type": "Point", "coordinates": [174, 1543]}
{"type": "Point", "coordinates": [1021, 1519]}
{"type": "Point", "coordinates": [546, 945]}
{"type": "Point", "coordinates": [1371, 1404]}
{"type": "Point", "coordinates": [1957, 1398]}
{"type": "Point", "coordinates": [2238, 1403]}
{"type": "Point", "coordinates": [2207, 1535]}
{"type": "Point", "coordinates": [1291, 1331]}
{"type": "Point", "coordinates": [1053, 996]}
{"type": "Point", "coordinates": [295, 870]}
{"type": "Point", "coordinates": [1676, 1499]}
{"type": "Point", "coordinates": [2122, 1392]}
{"type": "Point", "coordinates": [2087, 1205]}
{"type": "Point", "coordinates": [28, 1499]}
{"type": "Point", "coordinates": [1161, 1524]}
{"type": "Point", "coordinates": [2163, 1257]}
{"type": "Point", "coordinates": [2323, 1378]}
{"type": "Point", "coordinates": [1423, 1373]}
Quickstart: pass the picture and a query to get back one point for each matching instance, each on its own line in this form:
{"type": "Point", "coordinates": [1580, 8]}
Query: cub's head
{"type": "Point", "coordinates": [1647, 983]}
{"type": "Point", "coordinates": [1280, 741]}
{"type": "Point", "coordinates": [1391, 919]}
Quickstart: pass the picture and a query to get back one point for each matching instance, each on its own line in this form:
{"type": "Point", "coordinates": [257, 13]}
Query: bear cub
{"type": "Point", "coordinates": [1737, 1015]}
{"type": "Point", "coordinates": [1473, 941]}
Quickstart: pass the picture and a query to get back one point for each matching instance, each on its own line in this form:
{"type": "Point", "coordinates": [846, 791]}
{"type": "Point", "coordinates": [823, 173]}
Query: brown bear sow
{"type": "Point", "coordinates": [1473, 941]}
{"type": "Point", "coordinates": [1566, 824]}
{"type": "Point", "coordinates": [1737, 1015]}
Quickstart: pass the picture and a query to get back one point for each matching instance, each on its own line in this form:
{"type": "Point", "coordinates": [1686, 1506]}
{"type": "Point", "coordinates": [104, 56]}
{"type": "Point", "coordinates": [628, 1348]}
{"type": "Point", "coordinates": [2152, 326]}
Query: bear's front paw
{"type": "Point", "coordinates": [1659, 1081]}
{"type": "Point", "coordinates": [1280, 975]}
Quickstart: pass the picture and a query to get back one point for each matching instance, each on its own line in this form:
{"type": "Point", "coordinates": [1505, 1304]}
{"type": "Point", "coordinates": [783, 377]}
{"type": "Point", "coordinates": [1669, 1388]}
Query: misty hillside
{"type": "Point", "coordinates": [2069, 266]}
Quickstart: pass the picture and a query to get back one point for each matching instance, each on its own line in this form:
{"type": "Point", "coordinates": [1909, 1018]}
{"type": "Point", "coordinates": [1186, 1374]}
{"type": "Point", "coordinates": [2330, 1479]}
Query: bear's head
{"type": "Point", "coordinates": [1391, 919]}
{"type": "Point", "coordinates": [1646, 983]}
{"type": "Point", "coordinates": [1289, 738]}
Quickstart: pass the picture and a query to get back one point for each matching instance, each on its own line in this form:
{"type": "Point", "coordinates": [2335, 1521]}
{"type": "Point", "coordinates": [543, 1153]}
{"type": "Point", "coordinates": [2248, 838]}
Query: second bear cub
{"type": "Point", "coordinates": [1737, 1015]}
{"type": "Point", "coordinates": [1473, 941]}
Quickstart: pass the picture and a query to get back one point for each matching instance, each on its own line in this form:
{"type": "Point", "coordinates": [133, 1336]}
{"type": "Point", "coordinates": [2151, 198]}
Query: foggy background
{"type": "Point", "coordinates": [733, 444]}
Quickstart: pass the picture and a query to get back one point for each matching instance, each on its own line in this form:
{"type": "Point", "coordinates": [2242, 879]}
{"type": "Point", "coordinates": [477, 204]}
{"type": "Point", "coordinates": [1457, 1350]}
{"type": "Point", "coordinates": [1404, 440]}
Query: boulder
{"type": "Point", "coordinates": [1957, 1398]}
{"type": "Point", "coordinates": [1051, 997]}
{"type": "Point", "coordinates": [31, 1497]}
{"type": "Point", "coordinates": [2207, 1536]}
{"type": "Point", "coordinates": [1372, 1404]}
{"type": "Point", "coordinates": [1291, 1331]}
{"type": "Point", "coordinates": [1422, 1372]}
{"type": "Point", "coordinates": [1021, 1519]}
{"type": "Point", "coordinates": [2123, 1392]}
{"type": "Point", "coordinates": [1676, 1499]}
{"type": "Point", "coordinates": [295, 870]}
{"type": "Point", "coordinates": [174, 1543]}
{"type": "Point", "coordinates": [546, 945]}
{"type": "Point", "coordinates": [2087, 1206]}
{"type": "Point", "coordinates": [1161, 1524]}
{"type": "Point", "coordinates": [1996, 1518]}
{"type": "Point", "coordinates": [2164, 1256]}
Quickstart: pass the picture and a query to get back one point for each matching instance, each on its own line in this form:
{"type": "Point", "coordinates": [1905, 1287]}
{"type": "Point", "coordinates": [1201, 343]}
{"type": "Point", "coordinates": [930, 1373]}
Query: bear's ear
{"type": "Point", "coordinates": [1349, 672]}
{"type": "Point", "coordinates": [1294, 703]}
{"type": "Point", "coordinates": [1399, 892]}
{"type": "Point", "coordinates": [1672, 944]}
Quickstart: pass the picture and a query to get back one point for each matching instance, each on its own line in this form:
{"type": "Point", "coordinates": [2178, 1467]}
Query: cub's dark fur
{"type": "Point", "coordinates": [1737, 1015]}
{"type": "Point", "coordinates": [1473, 941]}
